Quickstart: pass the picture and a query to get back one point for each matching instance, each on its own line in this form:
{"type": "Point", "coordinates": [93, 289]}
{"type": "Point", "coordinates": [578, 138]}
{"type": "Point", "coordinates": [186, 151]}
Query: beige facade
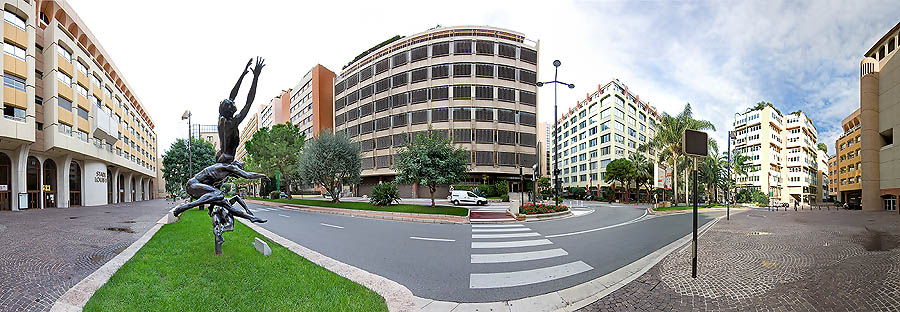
{"type": "Point", "coordinates": [251, 125]}
{"type": "Point", "coordinates": [784, 160]}
{"type": "Point", "coordinates": [849, 163]}
{"type": "Point", "coordinates": [73, 132]}
{"type": "Point", "coordinates": [610, 123]}
{"type": "Point", "coordinates": [879, 102]}
{"type": "Point", "coordinates": [474, 84]}
{"type": "Point", "coordinates": [208, 133]}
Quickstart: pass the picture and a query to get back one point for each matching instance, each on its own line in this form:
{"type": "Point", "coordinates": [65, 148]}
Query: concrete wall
{"type": "Point", "coordinates": [94, 187]}
{"type": "Point", "coordinates": [889, 123]}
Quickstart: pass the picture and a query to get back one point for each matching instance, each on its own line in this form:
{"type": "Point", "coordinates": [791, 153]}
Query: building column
{"type": "Point", "coordinates": [19, 165]}
{"type": "Point", "coordinates": [871, 140]}
{"type": "Point", "coordinates": [63, 165]}
{"type": "Point", "coordinates": [115, 183]}
{"type": "Point", "coordinates": [129, 188]}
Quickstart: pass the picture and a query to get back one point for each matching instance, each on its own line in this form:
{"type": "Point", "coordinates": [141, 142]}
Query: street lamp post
{"type": "Point", "coordinates": [187, 115]}
{"type": "Point", "coordinates": [556, 187]}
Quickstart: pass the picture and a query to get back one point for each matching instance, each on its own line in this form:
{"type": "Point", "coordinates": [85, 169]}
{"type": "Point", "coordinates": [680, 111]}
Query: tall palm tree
{"type": "Point", "coordinates": [643, 171]}
{"type": "Point", "coordinates": [669, 136]}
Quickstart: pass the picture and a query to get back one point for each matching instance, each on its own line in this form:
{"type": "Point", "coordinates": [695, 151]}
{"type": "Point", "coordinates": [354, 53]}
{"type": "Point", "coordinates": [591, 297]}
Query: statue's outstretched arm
{"type": "Point", "coordinates": [260, 63]}
{"type": "Point", "coordinates": [236, 171]}
{"type": "Point", "coordinates": [237, 85]}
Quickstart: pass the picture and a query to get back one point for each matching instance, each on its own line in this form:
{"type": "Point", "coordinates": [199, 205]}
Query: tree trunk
{"type": "Point", "coordinates": [674, 178]}
{"type": "Point", "coordinates": [432, 189]}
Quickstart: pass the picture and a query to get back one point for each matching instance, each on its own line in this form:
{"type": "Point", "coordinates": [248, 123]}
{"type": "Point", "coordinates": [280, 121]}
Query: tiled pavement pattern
{"type": "Point", "coordinates": [776, 261]}
{"type": "Point", "coordinates": [45, 252]}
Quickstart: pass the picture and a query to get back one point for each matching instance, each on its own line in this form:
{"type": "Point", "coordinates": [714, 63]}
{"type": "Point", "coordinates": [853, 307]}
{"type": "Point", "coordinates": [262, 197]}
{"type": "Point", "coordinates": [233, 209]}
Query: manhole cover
{"type": "Point", "coordinates": [759, 233]}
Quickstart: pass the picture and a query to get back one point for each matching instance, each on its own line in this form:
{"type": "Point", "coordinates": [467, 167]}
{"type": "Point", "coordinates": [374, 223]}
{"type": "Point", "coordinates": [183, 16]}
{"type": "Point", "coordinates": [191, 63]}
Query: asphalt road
{"type": "Point", "coordinates": [483, 263]}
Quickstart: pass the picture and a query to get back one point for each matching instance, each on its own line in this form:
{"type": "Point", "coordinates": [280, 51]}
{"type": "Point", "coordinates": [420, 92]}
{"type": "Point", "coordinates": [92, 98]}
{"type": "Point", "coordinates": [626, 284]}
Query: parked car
{"type": "Point", "coordinates": [283, 195]}
{"type": "Point", "coordinates": [466, 197]}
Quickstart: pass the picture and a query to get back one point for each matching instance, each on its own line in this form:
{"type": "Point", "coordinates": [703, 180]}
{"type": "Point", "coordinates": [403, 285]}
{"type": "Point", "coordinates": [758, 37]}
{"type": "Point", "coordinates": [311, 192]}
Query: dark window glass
{"type": "Point", "coordinates": [400, 139]}
{"type": "Point", "coordinates": [352, 97]}
{"type": "Point", "coordinates": [527, 76]}
{"type": "Point", "coordinates": [440, 49]}
{"type": "Point", "coordinates": [382, 85]}
{"type": "Point", "coordinates": [382, 104]}
{"type": "Point", "coordinates": [383, 142]}
{"type": "Point", "coordinates": [506, 116]}
{"type": "Point", "coordinates": [365, 73]}
{"type": "Point", "coordinates": [400, 79]}
{"type": "Point", "coordinates": [419, 53]}
{"type": "Point", "coordinates": [484, 114]}
{"type": "Point", "coordinates": [527, 160]}
{"type": "Point", "coordinates": [419, 117]}
{"type": "Point", "coordinates": [383, 161]}
{"type": "Point", "coordinates": [340, 103]}
{"type": "Point", "coordinates": [353, 131]}
{"type": "Point", "coordinates": [506, 137]}
{"type": "Point", "coordinates": [367, 163]}
{"type": "Point", "coordinates": [383, 123]}
{"type": "Point", "coordinates": [526, 118]}
{"type": "Point", "coordinates": [440, 114]}
{"type": "Point", "coordinates": [440, 71]}
{"type": "Point", "coordinates": [367, 127]}
{"type": "Point", "coordinates": [352, 80]}
{"type": "Point", "coordinates": [352, 114]}
{"type": "Point", "coordinates": [484, 92]}
{"type": "Point", "coordinates": [528, 98]}
{"type": "Point", "coordinates": [484, 158]}
{"type": "Point", "coordinates": [365, 109]}
{"type": "Point", "coordinates": [462, 92]}
{"type": "Point", "coordinates": [506, 94]}
{"type": "Point", "coordinates": [462, 70]}
{"type": "Point", "coordinates": [507, 50]}
{"type": "Point", "coordinates": [527, 139]}
{"type": "Point", "coordinates": [506, 159]}
{"type": "Point", "coordinates": [366, 91]}
{"type": "Point", "coordinates": [399, 100]}
{"type": "Point", "coordinates": [419, 96]}
{"type": "Point", "coordinates": [367, 145]}
{"type": "Point", "coordinates": [484, 136]}
{"type": "Point", "coordinates": [462, 135]}
{"type": "Point", "coordinates": [420, 74]}
{"type": "Point", "coordinates": [339, 119]}
{"type": "Point", "coordinates": [440, 93]}
{"type": "Point", "coordinates": [382, 66]}
{"type": "Point", "coordinates": [484, 47]}
{"type": "Point", "coordinates": [339, 87]}
{"type": "Point", "coordinates": [506, 72]}
{"type": "Point", "coordinates": [399, 59]}
{"type": "Point", "coordinates": [484, 70]}
{"type": "Point", "coordinates": [399, 120]}
{"type": "Point", "coordinates": [82, 113]}
{"type": "Point", "coordinates": [528, 55]}
{"type": "Point", "coordinates": [462, 114]}
{"type": "Point", "coordinates": [462, 47]}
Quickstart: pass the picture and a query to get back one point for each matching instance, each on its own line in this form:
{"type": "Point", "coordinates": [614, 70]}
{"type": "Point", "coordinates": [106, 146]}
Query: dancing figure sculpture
{"type": "Point", "coordinates": [205, 185]}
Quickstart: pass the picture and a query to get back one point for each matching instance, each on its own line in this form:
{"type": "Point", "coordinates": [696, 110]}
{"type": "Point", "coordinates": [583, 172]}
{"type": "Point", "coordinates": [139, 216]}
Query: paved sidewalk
{"type": "Point", "coordinates": [45, 252]}
{"type": "Point", "coordinates": [777, 261]}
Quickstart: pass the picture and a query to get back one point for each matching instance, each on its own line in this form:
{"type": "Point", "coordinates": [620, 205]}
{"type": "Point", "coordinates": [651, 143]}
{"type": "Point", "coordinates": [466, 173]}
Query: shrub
{"type": "Point", "coordinates": [502, 188]}
{"type": "Point", "coordinates": [531, 209]}
{"type": "Point", "coordinates": [577, 192]}
{"type": "Point", "coordinates": [760, 199]}
{"type": "Point", "coordinates": [274, 194]}
{"type": "Point", "coordinates": [384, 194]}
{"type": "Point", "coordinates": [504, 197]}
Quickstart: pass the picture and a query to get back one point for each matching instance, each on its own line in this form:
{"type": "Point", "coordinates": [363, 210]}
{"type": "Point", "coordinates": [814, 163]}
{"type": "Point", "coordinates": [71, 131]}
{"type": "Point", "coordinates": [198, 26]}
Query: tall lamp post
{"type": "Point", "coordinates": [187, 115]}
{"type": "Point", "coordinates": [732, 135]}
{"type": "Point", "coordinates": [556, 187]}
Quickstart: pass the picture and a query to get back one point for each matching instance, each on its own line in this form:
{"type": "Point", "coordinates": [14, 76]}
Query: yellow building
{"type": "Point", "coordinates": [73, 131]}
{"type": "Point", "coordinates": [849, 168]}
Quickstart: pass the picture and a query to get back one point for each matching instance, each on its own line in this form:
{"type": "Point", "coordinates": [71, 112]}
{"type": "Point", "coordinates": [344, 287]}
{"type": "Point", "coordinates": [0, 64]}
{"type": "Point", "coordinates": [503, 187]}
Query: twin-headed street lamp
{"type": "Point", "coordinates": [556, 186]}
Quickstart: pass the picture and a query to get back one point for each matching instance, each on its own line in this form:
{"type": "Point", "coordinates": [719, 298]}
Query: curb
{"type": "Point", "coordinates": [396, 296]}
{"type": "Point", "coordinates": [575, 297]}
{"type": "Point", "coordinates": [76, 297]}
{"type": "Point", "coordinates": [394, 216]}
{"type": "Point", "coordinates": [548, 216]}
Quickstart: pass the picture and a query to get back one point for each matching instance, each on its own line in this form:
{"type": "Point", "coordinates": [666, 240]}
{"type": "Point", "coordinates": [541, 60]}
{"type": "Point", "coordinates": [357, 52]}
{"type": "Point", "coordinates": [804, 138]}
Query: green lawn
{"type": "Point", "coordinates": [441, 210]}
{"type": "Point", "coordinates": [177, 270]}
{"type": "Point", "coordinates": [689, 207]}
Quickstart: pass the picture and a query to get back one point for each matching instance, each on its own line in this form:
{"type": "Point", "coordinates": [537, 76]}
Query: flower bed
{"type": "Point", "coordinates": [531, 209]}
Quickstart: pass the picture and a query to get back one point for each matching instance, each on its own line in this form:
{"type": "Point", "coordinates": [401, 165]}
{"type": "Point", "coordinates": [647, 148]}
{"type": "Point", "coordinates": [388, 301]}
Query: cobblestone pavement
{"type": "Point", "coordinates": [777, 261]}
{"type": "Point", "coordinates": [45, 252]}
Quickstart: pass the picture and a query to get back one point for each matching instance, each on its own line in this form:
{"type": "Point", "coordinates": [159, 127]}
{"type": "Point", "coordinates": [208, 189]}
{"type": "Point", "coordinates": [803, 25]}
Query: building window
{"type": "Point", "coordinates": [420, 74]}
{"type": "Point", "coordinates": [65, 129]}
{"type": "Point", "coordinates": [439, 93]}
{"type": "Point", "coordinates": [399, 59]}
{"type": "Point", "coordinates": [462, 47]}
{"type": "Point", "coordinates": [527, 98]}
{"type": "Point", "coordinates": [484, 92]}
{"type": "Point", "coordinates": [506, 94]}
{"type": "Point", "coordinates": [14, 113]}
{"type": "Point", "coordinates": [484, 47]}
{"type": "Point", "coordinates": [82, 113]}
{"type": "Point", "coordinates": [440, 114]}
{"type": "Point", "coordinates": [65, 104]}
{"type": "Point", "coordinates": [399, 120]}
{"type": "Point", "coordinates": [95, 80]}
{"type": "Point", "coordinates": [462, 92]}
{"type": "Point", "coordinates": [14, 82]}
{"type": "Point", "coordinates": [527, 76]}
{"type": "Point", "coordinates": [528, 56]}
{"type": "Point", "coordinates": [382, 85]}
{"type": "Point", "coordinates": [484, 114]}
{"type": "Point", "coordinates": [13, 50]}
{"type": "Point", "coordinates": [484, 70]}
{"type": "Point", "coordinates": [14, 19]}
{"type": "Point", "coordinates": [81, 67]}
{"type": "Point", "coordinates": [507, 51]}
{"type": "Point", "coordinates": [365, 73]}
{"type": "Point", "coordinates": [419, 117]}
{"type": "Point", "coordinates": [462, 70]}
{"type": "Point", "coordinates": [64, 53]}
{"type": "Point", "coordinates": [440, 71]}
{"type": "Point", "coordinates": [399, 80]}
{"type": "Point", "coordinates": [399, 100]}
{"type": "Point", "coordinates": [419, 54]}
{"type": "Point", "coordinates": [506, 72]}
{"type": "Point", "coordinates": [506, 116]}
{"type": "Point", "coordinates": [528, 119]}
{"type": "Point", "coordinates": [382, 66]}
{"type": "Point", "coordinates": [462, 114]}
{"type": "Point", "coordinates": [419, 95]}
{"type": "Point", "coordinates": [462, 135]}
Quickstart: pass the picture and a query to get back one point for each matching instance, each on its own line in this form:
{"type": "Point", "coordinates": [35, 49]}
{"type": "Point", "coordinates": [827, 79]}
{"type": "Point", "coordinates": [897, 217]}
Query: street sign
{"type": "Point", "coordinates": [694, 143]}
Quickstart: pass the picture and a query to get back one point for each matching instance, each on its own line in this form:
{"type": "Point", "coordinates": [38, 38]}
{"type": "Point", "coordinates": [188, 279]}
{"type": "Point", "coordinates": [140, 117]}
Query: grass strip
{"type": "Point", "coordinates": [438, 210]}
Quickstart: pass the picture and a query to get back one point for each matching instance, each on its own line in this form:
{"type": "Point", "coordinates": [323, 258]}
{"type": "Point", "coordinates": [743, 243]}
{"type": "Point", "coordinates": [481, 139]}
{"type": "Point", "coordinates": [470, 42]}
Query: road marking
{"type": "Point", "coordinates": [493, 220]}
{"type": "Point", "coordinates": [496, 225]}
{"type": "Point", "coordinates": [599, 229]}
{"type": "Point", "coordinates": [433, 239]}
{"type": "Point", "coordinates": [286, 216]}
{"type": "Point", "coordinates": [527, 277]}
{"type": "Point", "coordinates": [512, 229]}
{"type": "Point", "coordinates": [505, 235]}
{"type": "Point", "coordinates": [329, 225]}
{"type": "Point", "coordinates": [511, 244]}
{"type": "Point", "coordinates": [518, 256]}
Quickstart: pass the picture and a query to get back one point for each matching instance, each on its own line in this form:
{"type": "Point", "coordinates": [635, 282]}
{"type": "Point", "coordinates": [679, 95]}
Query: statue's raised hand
{"type": "Point", "coordinates": [247, 67]}
{"type": "Point", "coordinates": [260, 63]}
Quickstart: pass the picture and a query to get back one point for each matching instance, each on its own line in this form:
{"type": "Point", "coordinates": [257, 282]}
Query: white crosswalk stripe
{"type": "Point", "coordinates": [512, 229]}
{"type": "Point", "coordinates": [526, 277]}
{"type": "Point", "coordinates": [496, 225]}
{"type": "Point", "coordinates": [511, 244]}
{"type": "Point", "coordinates": [518, 256]}
{"type": "Point", "coordinates": [505, 235]}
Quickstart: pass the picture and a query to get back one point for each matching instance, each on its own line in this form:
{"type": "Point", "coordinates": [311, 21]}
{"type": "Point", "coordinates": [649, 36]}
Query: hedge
{"type": "Point", "coordinates": [531, 209]}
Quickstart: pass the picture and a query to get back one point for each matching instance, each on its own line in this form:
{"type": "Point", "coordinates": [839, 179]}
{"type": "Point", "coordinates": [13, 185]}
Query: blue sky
{"type": "Point", "coordinates": [721, 56]}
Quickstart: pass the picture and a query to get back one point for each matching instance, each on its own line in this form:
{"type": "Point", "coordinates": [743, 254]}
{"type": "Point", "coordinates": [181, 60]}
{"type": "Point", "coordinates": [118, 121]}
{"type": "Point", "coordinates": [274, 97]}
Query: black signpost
{"type": "Point", "coordinates": [694, 144]}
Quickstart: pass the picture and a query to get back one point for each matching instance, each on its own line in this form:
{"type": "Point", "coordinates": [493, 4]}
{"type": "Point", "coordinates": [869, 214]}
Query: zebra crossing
{"type": "Point", "coordinates": [265, 209]}
{"type": "Point", "coordinates": [498, 246]}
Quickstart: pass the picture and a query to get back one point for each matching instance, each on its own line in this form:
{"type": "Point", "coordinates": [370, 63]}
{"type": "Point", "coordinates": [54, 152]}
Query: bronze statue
{"type": "Point", "coordinates": [204, 186]}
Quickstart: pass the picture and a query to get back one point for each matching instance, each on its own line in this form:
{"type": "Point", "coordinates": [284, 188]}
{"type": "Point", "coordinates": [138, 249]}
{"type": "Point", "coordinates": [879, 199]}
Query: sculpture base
{"type": "Point", "coordinates": [218, 248]}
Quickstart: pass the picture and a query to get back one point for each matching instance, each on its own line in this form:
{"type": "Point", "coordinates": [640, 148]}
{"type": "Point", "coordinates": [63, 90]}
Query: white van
{"type": "Point", "coordinates": [466, 197]}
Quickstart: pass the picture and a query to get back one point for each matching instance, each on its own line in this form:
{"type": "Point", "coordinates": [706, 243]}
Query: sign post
{"type": "Point", "coordinates": [694, 144]}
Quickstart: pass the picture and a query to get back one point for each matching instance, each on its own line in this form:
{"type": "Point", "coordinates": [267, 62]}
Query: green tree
{"type": "Point", "coordinates": [330, 161]}
{"type": "Point", "coordinates": [544, 186]}
{"type": "Point", "coordinates": [620, 170]}
{"type": "Point", "coordinates": [430, 160]}
{"type": "Point", "coordinates": [277, 149]}
{"type": "Point", "coordinates": [822, 147]}
{"type": "Point", "coordinates": [643, 171]}
{"type": "Point", "coordinates": [176, 162]}
{"type": "Point", "coordinates": [711, 169]}
{"type": "Point", "coordinates": [668, 139]}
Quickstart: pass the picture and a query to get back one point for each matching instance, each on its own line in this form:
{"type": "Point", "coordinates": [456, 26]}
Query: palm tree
{"type": "Point", "coordinates": [643, 171]}
{"type": "Point", "coordinates": [669, 135]}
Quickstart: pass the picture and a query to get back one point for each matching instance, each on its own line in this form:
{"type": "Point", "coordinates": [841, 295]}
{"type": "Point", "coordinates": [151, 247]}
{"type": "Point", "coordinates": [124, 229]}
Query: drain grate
{"type": "Point", "coordinates": [759, 233]}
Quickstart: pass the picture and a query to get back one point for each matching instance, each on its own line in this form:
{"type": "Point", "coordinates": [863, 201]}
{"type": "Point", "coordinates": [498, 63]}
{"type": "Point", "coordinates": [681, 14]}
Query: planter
{"type": "Point", "coordinates": [548, 215]}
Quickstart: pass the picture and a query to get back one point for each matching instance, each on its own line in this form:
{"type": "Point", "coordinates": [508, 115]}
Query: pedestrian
{"type": "Point", "coordinates": [795, 205]}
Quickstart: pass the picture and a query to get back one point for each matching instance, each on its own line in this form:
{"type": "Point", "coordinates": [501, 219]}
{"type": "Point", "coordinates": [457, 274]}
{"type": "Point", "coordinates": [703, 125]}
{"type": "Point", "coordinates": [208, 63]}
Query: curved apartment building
{"type": "Point", "coordinates": [473, 84]}
{"type": "Point", "coordinates": [73, 131]}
